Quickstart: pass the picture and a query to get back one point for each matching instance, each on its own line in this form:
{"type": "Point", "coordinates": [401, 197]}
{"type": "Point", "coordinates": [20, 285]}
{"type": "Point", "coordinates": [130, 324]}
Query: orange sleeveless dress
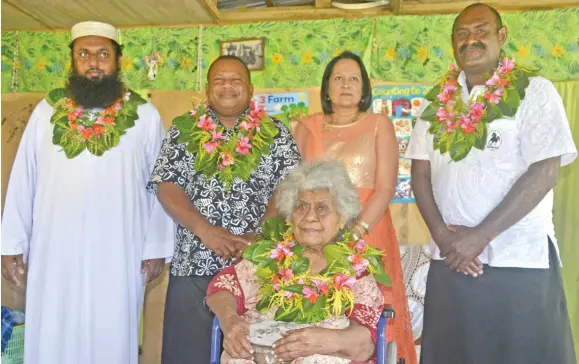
{"type": "Point", "coordinates": [355, 146]}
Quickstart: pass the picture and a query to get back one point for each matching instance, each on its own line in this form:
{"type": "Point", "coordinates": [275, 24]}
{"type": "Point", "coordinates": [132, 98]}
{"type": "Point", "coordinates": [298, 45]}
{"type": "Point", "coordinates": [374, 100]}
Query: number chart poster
{"type": "Point", "coordinates": [401, 103]}
{"type": "Point", "coordinates": [284, 106]}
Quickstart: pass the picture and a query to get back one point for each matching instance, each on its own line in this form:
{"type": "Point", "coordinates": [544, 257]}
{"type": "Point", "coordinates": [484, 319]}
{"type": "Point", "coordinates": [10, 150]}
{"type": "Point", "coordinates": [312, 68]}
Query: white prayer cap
{"type": "Point", "coordinates": [87, 28]}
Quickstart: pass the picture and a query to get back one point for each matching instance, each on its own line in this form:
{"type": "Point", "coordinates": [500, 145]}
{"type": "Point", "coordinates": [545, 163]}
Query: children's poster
{"type": "Point", "coordinates": [284, 106]}
{"type": "Point", "coordinates": [401, 103]}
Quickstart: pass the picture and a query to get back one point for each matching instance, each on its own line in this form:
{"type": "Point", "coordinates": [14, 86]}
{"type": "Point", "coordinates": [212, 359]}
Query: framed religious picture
{"type": "Point", "coordinates": [249, 50]}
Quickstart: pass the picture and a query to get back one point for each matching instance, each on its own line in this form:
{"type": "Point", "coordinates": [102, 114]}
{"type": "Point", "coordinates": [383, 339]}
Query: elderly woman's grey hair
{"type": "Point", "coordinates": [325, 174]}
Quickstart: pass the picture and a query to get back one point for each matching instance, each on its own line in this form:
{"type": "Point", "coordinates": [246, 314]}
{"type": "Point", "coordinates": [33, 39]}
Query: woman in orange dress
{"type": "Point", "coordinates": [366, 144]}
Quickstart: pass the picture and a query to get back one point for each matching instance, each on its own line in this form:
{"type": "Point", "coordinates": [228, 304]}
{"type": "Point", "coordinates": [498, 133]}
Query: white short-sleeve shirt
{"type": "Point", "coordinates": [467, 191]}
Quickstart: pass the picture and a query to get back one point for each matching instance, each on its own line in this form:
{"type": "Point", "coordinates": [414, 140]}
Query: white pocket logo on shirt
{"type": "Point", "coordinates": [494, 141]}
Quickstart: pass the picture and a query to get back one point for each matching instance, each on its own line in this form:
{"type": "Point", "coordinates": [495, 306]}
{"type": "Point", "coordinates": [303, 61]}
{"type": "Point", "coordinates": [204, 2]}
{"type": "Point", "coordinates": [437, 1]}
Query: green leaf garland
{"type": "Point", "coordinates": [288, 286]}
{"type": "Point", "coordinates": [74, 132]}
{"type": "Point", "coordinates": [458, 127]}
{"type": "Point", "coordinates": [235, 157]}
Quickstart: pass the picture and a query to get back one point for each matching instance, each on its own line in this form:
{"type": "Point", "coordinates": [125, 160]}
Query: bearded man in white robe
{"type": "Point", "coordinates": [78, 213]}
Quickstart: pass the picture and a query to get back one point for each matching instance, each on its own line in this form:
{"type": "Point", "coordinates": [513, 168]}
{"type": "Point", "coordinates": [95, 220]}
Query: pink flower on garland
{"type": "Point", "coordinates": [448, 90]}
{"type": "Point", "coordinates": [256, 110]}
{"type": "Point", "coordinates": [281, 251]}
{"type": "Point", "coordinates": [451, 125]}
{"type": "Point", "coordinates": [289, 295]}
{"type": "Point", "coordinates": [286, 273]}
{"type": "Point", "coordinates": [495, 96]}
{"type": "Point", "coordinates": [507, 65]}
{"type": "Point", "coordinates": [217, 135]}
{"type": "Point", "coordinates": [442, 114]}
{"type": "Point", "coordinates": [476, 111]}
{"type": "Point", "coordinates": [451, 86]}
{"type": "Point", "coordinates": [206, 123]}
{"type": "Point", "coordinates": [276, 283]}
{"type": "Point", "coordinates": [343, 281]}
{"type": "Point", "coordinates": [226, 160]}
{"type": "Point", "coordinates": [322, 287]}
{"type": "Point", "coordinates": [243, 146]}
{"type": "Point", "coordinates": [256, 124]}
{"type": "Point", "coordinates": [497, 81]}
{"type": "Point", "coordinates": [358, 263]}
{"type": "Point", "coordinates": [361, 246]}
{"type": "Point", "coordinates": [210, 146]}
{"type": "Point", "coordinates": [494, 80]}
{"type": "Point", "coordinates": [469, 128]}
{"type": "Point", "coordinates": [454, 70]}
{"type": "Point", "coordinates": [245, 125]}
{"type": "Point", "coordinates": [87, 133]}
{"type": "Point", "coordinates": [467, 125]}
{"type": "Point", "coordinates": [310, 294]}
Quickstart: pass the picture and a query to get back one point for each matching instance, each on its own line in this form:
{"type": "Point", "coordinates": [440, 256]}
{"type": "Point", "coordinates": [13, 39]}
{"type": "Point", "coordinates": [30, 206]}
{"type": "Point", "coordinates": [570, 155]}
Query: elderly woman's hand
{"type": "Point", "coordinates": [236, 337]}
{"type": "Point", "coordinates": [305, 342]}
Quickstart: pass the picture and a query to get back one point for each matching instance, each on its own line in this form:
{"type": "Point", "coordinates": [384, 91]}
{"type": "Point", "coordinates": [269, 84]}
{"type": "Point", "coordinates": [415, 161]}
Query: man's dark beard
{"type": "Point", "coordinates": [95, 93]}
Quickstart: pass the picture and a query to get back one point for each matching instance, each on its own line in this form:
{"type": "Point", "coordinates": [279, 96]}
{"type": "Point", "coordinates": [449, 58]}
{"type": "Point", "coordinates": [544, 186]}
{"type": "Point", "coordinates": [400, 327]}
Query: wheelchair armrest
{"type": "Point", "coordinates": [215, 341]}
{"type": "Point", "coordinates": [388, 313]}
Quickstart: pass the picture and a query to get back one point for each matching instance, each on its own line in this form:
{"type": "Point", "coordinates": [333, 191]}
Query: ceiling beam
{"type": "Point", "coordinates": [212, 9]}
{"type": "Point", "coordinates": [417, 7]}
{"type": "Point", "coordinates": [396, 6]}
{"type": "Point", "coordinates": [404, 7]}
{"type": "Point", "coordinates": [319, 11]}
{"type": "Point", "coordinates": [323, 4]}
{"type": "Point", "coordinates": [286, 13]}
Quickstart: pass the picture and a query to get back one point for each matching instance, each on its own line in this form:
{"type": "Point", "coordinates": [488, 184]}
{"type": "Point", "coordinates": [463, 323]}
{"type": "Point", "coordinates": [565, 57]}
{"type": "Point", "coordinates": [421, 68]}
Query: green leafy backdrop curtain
{"type": "Point", "coordinates": [566, 210]}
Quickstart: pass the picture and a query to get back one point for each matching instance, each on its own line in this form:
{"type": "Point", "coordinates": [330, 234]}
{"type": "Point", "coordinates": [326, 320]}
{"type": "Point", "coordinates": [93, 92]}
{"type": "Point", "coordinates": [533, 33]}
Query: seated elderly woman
{"type": "Point", "coordinates": [307, 273]}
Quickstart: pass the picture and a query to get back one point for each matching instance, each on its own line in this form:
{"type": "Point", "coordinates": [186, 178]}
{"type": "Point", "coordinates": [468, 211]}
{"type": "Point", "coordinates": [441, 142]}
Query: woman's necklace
{"type": "Point", "coordinates": [332, 122]}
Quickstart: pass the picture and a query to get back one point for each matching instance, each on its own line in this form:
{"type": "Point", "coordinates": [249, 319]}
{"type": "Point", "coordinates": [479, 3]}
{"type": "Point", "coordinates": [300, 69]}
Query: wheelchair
{"type": "Point", "coordinates": [385, 354]}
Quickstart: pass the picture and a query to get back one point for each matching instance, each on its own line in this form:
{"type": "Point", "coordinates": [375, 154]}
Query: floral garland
{"type": "Point", "coordinates": [286, 282]}
{"type": "Point", "coordinates": [74, 130]}
{"type": "Point", "coordinates": [234, 157]}
{"type": "Point", "coordinates": [459, 126]}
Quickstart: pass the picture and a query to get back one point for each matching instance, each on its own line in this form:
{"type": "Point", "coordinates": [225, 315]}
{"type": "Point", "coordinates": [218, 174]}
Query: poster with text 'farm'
{"type": "Point", "coordinates": [401, 103]}
{"type": "Point", "coordinates": [284, 106]}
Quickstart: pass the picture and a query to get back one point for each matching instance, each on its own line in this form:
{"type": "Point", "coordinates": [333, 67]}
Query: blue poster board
{"type": "Point", "coordinates": [401, 103]}
{"type": "Point", "coordinates": [284, 106]}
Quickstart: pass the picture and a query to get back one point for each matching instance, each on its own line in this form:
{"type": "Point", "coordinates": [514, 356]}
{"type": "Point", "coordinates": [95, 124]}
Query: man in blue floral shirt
{"type": "Point", "coordinates": [216, 174]}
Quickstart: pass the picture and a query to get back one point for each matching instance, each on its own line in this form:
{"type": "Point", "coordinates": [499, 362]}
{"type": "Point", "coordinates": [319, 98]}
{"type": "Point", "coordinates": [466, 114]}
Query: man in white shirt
{"type": "Point", "coordinates": [494, 292]}
{"type": "Point", "coordinates": [78, 211]}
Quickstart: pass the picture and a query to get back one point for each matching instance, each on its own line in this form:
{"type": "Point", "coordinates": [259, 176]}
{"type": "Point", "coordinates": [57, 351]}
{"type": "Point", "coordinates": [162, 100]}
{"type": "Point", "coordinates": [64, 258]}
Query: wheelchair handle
{"type": "Point", "coordinates": [388, 313]}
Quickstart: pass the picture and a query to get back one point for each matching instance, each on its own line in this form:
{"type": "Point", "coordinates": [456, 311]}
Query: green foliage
{"type": "Point", "coordinates": [394, 49]}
